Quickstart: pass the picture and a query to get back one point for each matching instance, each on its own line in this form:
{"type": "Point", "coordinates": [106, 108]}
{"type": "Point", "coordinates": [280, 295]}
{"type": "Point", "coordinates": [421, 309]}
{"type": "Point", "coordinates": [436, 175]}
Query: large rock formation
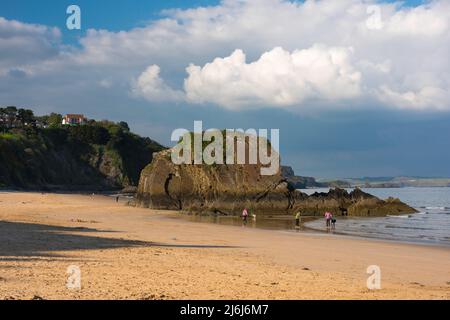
{"type": "Point", "coordinates": [227, 189]}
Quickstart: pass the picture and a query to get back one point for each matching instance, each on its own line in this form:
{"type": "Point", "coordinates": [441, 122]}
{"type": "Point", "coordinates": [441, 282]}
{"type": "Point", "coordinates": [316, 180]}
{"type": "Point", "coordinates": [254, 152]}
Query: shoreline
{"type": "Point", "coordinates": [186, 217]}
{"type": "Point", "coordinates": [362, 237]}
{"type": "Point", "coordinates": [133, 253]}
{"type": "Point", "coordinates": [306, 229]}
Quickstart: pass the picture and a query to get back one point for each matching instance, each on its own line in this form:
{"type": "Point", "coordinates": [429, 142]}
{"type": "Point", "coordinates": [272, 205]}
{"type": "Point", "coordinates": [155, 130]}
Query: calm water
{"type": "Point", "coordinates": [431, 225]}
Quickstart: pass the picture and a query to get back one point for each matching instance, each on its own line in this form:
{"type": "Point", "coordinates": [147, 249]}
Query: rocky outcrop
{"type": "Point", "coordinates": [227, 189]}
{"type": "Point", "coordinates": [299, 182]}
{"type": "Point", "coordinates": [217, 188]}
{"type": "Point", "coordinates": [354, 203]}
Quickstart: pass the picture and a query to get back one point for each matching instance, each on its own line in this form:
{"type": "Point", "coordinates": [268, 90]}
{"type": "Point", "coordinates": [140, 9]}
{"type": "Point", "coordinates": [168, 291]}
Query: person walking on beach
{"type": "Point", "coordinates": [333, 223]}
{"type": "Point", "coordinates": [297, 220]}
{"type": "Point", "coordinates": [328, 216]}
{"type": "Point", "coordinates": [244, 216]}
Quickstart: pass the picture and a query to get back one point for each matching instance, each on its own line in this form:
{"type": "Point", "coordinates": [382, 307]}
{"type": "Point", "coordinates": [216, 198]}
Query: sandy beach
{"type": "Point", "coordinates": [132, 253]}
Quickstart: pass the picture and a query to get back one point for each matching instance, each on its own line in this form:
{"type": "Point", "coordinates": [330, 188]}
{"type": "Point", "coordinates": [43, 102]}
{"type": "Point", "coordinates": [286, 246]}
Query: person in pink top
{"type": "Point", "coordinates": [244, 215]}
{"type": "Point", "coordinates": [328, 217]}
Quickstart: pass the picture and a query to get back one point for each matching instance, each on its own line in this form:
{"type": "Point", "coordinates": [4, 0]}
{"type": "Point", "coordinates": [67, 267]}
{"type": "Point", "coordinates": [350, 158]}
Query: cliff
{"type": "Point", "coordinates": [99, 156]}
{"type": "Point", "coordinates": [299, 182]}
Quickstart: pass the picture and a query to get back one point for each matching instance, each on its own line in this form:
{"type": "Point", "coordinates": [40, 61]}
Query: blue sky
{"type": "Point", "coordinates": [104, 14]}
{"type": "Point", "coordinates": [98, 14]}
{"type": "Point", "coordinates": [353, 93]}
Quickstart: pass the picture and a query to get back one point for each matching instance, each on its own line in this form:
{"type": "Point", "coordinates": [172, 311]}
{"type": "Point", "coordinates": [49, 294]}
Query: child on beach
{"type": "Point", "coordinates": [297, 220]}
{"type": "Point", "coordinates": [328, 216]}
{"type": "Point", "coordinates": [244, 216]}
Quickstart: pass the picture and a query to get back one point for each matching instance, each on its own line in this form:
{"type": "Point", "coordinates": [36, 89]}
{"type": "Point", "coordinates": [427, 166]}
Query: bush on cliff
{"type": "Point", "coordinates": [98, 155]}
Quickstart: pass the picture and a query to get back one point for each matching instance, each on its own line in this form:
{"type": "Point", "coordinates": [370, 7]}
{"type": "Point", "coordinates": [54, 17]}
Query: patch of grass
{"type": "Point", "coordinates": [8, 136]}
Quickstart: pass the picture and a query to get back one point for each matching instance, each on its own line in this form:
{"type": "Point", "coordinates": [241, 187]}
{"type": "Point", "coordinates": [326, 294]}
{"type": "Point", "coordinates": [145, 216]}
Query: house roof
{"type": "Point", "coordinates": [74, 116]}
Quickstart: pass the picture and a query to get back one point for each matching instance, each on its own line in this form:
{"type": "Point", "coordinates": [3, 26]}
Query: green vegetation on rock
{"type": "Point", "coordinates": [40, 153]}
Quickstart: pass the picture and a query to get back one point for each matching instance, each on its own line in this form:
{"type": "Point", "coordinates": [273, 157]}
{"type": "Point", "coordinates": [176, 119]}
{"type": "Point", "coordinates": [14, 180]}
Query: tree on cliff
{"type": "Point", "coordinates": [54, 120]}
{"type": "Point", "coordinates": [25, 116]}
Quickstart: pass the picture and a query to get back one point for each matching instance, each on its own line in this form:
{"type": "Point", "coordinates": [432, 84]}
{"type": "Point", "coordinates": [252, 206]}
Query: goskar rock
{"type": "Point", "coordinates": [227, 189]}
{"type": "Point", "coordinates": [354, 203]}
{"type": "Point", "coordinates": [217, 188]}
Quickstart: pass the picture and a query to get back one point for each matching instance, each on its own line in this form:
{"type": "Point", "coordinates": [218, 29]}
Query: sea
{"type": "Point", "coordinates": [431, 225]}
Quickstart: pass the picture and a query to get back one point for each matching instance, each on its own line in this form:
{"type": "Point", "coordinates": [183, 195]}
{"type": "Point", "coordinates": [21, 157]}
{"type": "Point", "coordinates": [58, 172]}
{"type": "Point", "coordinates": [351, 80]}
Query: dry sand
{"type": "Point", "coordinates": [132, 253]}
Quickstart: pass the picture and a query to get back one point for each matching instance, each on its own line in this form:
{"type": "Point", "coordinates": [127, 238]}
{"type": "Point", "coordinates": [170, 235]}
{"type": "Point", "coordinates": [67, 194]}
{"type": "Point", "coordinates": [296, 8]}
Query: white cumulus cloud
{"type": "Point", "coordinates": [150, 86]}
{"type": "Point", "coordinates": [277, 78]}
{"type": "Point", "coordinates": [335, 54]}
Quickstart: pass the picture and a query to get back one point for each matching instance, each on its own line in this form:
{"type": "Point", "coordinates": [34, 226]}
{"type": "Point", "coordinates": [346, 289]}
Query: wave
{"type": "Point", "coordinates": [407, 228]}
{"type": "Point", "coordinates": [401, 216]}
{"type": "Point", "coordinates": [437, 208]}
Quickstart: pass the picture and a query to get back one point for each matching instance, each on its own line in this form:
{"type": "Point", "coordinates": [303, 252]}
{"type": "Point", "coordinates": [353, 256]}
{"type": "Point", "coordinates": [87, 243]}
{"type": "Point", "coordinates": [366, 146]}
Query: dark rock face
{"type": "Point", "coordinates": [355, 203]}
{"type": "Point", "coordinates": [53, 159]}
{"type": "Point", "coordinates": [227, 189]}
{"type": "Point", "coordinates": [299, 182]}
{"type": "Point", "coordinates": [217, 188]}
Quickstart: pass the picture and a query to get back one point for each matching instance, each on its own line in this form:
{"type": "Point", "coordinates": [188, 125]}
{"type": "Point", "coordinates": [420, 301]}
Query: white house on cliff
{"type": "Point", "coordinates": [73, 119]}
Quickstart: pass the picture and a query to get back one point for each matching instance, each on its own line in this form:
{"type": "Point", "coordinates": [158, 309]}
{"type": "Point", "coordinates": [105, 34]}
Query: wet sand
{"type": "Point", "coordinates": [133, 253]}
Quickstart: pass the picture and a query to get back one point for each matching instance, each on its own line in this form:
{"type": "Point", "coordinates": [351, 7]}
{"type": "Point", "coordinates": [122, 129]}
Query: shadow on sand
{"type": "Point", "coordinates": [21, 239]}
